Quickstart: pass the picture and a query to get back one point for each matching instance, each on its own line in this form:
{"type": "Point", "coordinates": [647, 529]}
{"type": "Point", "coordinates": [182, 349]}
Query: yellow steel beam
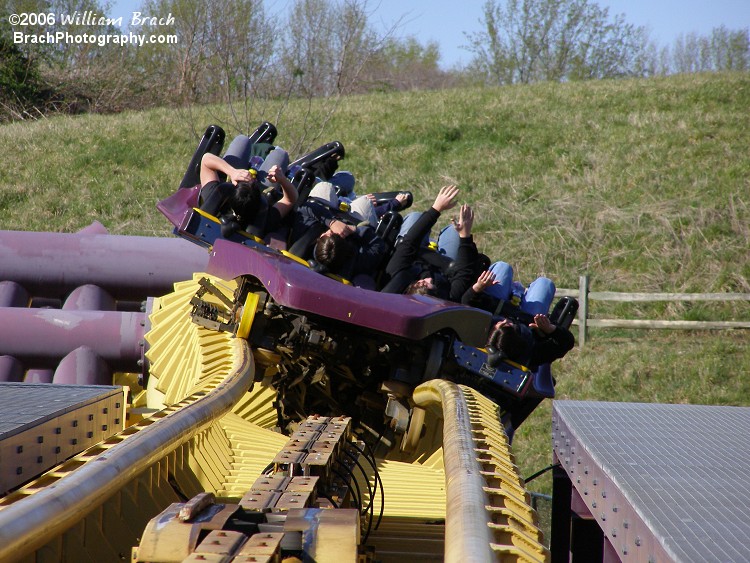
{"type": "Point", "coordinates": [50, 511]}
{"type": "Point", "coordinates": [467, 533]}
{"type": "Point", "coordinates": [480, 478]}
{"type": "Point", "coordinates": [198, 376]}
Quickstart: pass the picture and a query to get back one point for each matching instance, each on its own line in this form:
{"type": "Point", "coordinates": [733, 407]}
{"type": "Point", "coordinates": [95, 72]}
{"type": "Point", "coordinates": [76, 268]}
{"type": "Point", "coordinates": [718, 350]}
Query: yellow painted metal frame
{"type": "Point", "coordinates": [248, 315]}
{"type": "Point", "coordinates": [338, 278]}
{"type": "Point", "coordinates": [295, 258]}
{"type": "Point", "coordinates": [306, 265]}
{"type": "Point", "coordinates": [102, 499]}
{"type": "Point", "coordinates": [122, 481]}
{"type": "Point", "coordinates": [27, 525]}
{"type": "Point", "coordinates": [216, 220]}
{"type": "Point", "coordinates": [486, 497]}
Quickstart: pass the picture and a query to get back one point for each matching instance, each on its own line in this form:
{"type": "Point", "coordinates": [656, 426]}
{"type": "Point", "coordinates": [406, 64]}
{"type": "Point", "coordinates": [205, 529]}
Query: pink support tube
{"type": "Point", "coordinates": [127, 267]}
{"type": "Point", "coordinates": [83, 366]}
{"type": "Point", "coordinates": [46, 335]}
{"type": "Point", "coordinates": [89, 298]}
{"type": "Point", "coordinates": [13, 295]}
{"type": "Point", "coordinates": [39, 375]}
{"type": "Point", "coordinates": [10, 369]}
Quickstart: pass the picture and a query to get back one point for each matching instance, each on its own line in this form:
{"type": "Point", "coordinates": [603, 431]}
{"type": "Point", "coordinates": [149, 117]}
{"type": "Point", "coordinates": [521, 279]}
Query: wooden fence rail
{"type": "Point", "coordinates": [585, 296]}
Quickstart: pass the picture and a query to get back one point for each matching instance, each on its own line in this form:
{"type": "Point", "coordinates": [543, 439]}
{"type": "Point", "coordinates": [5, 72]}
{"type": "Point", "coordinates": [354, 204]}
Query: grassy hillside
{"type": "Point", "coordinates": [643, 184]}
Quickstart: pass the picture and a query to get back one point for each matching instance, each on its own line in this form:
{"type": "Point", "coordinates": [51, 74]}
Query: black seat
{"type": "Point", "coordinates": [389, 226]}
{"type": "Point", "coordinates": [212, 141]}
{"type": "Point", "coordinates": [564, 312]}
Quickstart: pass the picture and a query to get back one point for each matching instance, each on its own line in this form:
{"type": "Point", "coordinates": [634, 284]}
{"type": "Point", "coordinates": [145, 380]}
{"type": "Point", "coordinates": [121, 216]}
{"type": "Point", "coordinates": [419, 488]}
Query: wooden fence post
{"type": "Point", "coordinates": [583, 309]}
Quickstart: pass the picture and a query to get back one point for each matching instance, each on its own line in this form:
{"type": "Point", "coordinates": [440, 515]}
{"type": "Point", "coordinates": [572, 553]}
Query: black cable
{"type": "Point", "coordinates": [371, 432]}
{"type": "Point", "coordinates": [356, 485]}
{"type": "Point", "coordinates": [344, 480]}
{"type": "Point", "coordinates": [372, 464]}
{"type": "Point", "coordinates": [358, 498]}
{"type": "Point", "coordinates": [375, 473]}
{"type": "Point", "coordinates": [541, 472]}
{"type": "Point", "coordinates": [361, 470]}
{"type": "Point", "coordinates": [370, 506]}
{"type": "Point", "coordinates": [379, 480]}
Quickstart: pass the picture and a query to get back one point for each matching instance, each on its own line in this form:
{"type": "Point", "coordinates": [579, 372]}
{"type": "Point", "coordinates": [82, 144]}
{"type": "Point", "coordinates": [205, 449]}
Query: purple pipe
{"type": "Point", "coordinates": [95, 228]}
{"type": "Point", "coordinates": [10, 369]}
{"type": "Point", "coordinates": [128, 267]}
{"type": "Point", "coordinates": [39, 375]}
{"type": "Point", "coordinates": [83, 366]}
{"type": "Point", "coordinates": [46, 335]}
{"type": "Point", "coordinates": [13, 295]}
{"type": "Point", "coordinates": [89, 298]}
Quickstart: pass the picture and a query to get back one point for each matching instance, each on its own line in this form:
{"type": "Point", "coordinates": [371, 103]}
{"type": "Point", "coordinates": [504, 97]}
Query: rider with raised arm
{"type": "Point", "coordinates": [408, 273]}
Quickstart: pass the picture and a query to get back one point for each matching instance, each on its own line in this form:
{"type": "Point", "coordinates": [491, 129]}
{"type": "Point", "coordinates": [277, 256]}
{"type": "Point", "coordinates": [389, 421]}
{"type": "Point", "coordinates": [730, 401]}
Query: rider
{"type": "Point", "coordinates": [242, 196]}
{"type": "Point", "coordinates": [410, 272]}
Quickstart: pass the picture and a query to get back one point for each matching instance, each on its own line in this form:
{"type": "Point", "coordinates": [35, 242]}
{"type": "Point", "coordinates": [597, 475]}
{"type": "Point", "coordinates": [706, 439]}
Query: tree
{"type": "Point", "coordinates": [232, 55]}
{"type": "Point", "coordinates": [21, 88]}
{"type": "Point", "coordinates": [722, 49]}
{"type": "Point", "coordinates": [733, 48]}
{"type": "Point", "coordinates": [222, 54]}
{"type": "Point", "coordinates": [325, 46]}
{"type": "Point", "coordinates": [534, 40]}
{"type": "Point", "coordinates": [404, 64]}
{"type": "Point", "coordinates": [183, 68]}
{"type": "Point", "coordinates": [78, 75]}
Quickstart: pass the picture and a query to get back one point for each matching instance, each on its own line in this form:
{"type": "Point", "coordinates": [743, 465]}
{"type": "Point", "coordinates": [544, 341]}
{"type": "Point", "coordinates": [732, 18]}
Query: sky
{"type": "Point", "coordinates": [448, 21]}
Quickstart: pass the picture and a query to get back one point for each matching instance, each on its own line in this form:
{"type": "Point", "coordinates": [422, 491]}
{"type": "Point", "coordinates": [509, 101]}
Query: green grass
{"type": "Point", "coordinates": [643, 184]}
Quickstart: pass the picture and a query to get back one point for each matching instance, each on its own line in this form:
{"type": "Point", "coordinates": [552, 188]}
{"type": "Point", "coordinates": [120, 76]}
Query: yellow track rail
{"type": "Point", "coordinates": [490, 516]}
{"type": "Point", "coordinates": [212, 434]}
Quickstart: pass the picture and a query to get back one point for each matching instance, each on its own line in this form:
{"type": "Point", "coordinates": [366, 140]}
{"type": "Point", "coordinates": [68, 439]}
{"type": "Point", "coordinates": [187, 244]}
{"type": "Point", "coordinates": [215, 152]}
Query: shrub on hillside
{"type": "Point", "coordinates": [21, 88]}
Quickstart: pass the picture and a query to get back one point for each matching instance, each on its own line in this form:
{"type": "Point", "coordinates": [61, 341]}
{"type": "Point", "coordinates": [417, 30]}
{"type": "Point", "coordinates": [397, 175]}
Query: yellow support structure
{"type": "Point", "coordinates": [485, 494]}
{"type": "Point", "coordinates": [212, 432]}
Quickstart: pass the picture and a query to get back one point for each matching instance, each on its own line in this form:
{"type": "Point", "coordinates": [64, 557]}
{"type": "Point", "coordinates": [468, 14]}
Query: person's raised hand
{"type": "Point", "coordinates": [485, 280]}
{"type": "Point", "coordinates": [446, 198]}
{"type": "Point", "coordinates": [238, 175]}
{"type": "Point", "coordinates": [543, 324]}
{"type": "Point", "coordinates": [465, 221]}
{"type": "Point", "coordinates": [275, 173]}
{"type": "Point", "coordinates": [340, 228]}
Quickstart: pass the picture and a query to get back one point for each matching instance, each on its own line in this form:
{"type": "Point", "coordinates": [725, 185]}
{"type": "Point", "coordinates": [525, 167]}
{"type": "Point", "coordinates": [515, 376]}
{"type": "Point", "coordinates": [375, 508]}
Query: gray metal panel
{"type": "Point", "coordinates": [23, 405]}
{"type": "Point", "coordinates": [682, 471]}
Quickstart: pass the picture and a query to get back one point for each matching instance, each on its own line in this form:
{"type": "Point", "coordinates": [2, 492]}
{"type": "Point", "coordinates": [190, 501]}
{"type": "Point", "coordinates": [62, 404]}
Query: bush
{"type": "Point", "coordinates": [21, 88]}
